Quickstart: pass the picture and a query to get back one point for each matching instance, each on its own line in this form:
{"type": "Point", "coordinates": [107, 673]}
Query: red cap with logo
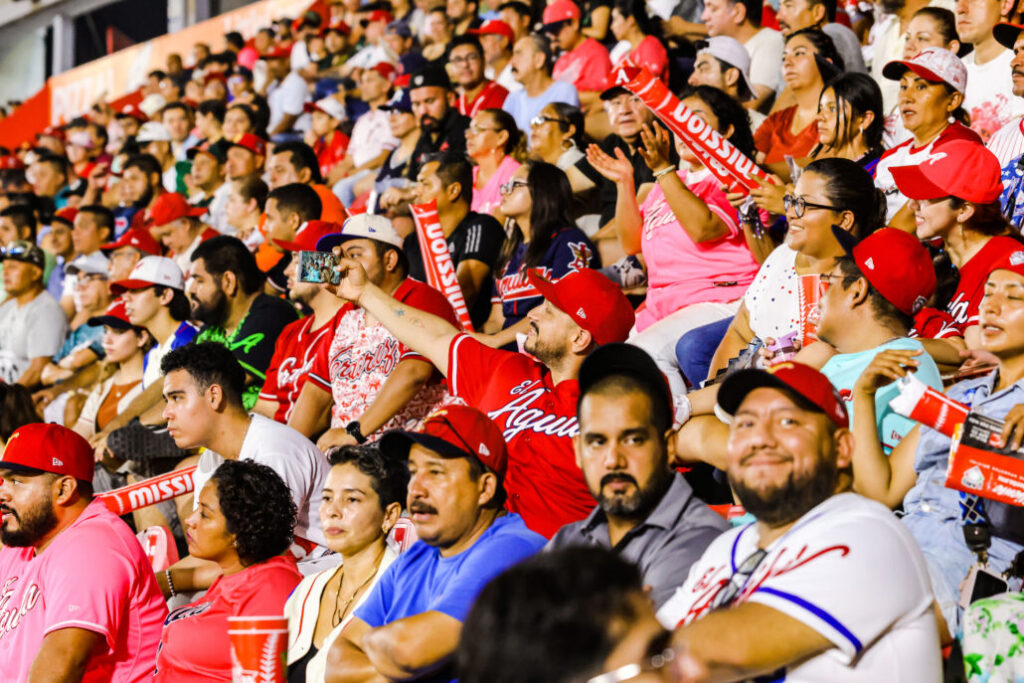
{"type": "Point", "coordinates": [495, 27]}
{"type": "Point", "coordinates": [797, 377]}
{"type": "Point", "coordinates": [140, 238]}
{"type": "Point", "coordinates": [253, 143]}
{"type": "Point", "coordinates": [47, 447]}
{"type": "Point", "coordinates": [453, 432]}
{"type": "Point", "coordinates": [282, 51]}
{"type": "Point", "coordinates": [592, 300]}
{"type": "Point", "coordinates": [959, 168]}
{"type": "Point", "coordinates": [1013, 263]}
{"type": "Point", "coordinates": [170, 206]}
{"type": "Point", "coordinates": [308, 234]}
{"type": "Point", "coordinates": [896, 264]}
{"type": "Point", "coordinates": [559, 11]}
{"type": "Point", "coordinates": [380, 15]}
{"type": "Point", "coordinates": [9, 162]}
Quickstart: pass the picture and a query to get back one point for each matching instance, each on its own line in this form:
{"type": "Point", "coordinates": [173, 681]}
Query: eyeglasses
{"type": "Point", "coordinates": [471, 57]}
{"type": "Point", "coordinates": [825, 281]}
{"type": "Point", "coordinates": [799, 205]}
{"type": "Point", "coordinates": [540, 120]}
{"type": "Point", "coordinates": [510, 186]}
{"type": "Point", "coordinates": [728, 592]}
{"type": "Point", "coordinates": [661, 657]}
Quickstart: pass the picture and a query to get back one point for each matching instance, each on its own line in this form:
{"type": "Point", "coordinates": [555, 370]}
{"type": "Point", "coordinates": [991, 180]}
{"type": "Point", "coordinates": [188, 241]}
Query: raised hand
{"type": "Point", "coordinates": [617, 169]}
{"type": "Point", "coordinates": [655, 149]}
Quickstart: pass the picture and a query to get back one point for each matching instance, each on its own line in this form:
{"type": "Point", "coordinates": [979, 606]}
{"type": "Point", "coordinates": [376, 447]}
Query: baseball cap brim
{"type": "Point", "coordinates": [122, 286]}
{"type": "Point", "coordinates": [913, 184]}
{"type": "Point", "coordinates": [614, 91]}
{"type": "Point", "coordinates": [894, 71]}
{"type": "Point", "coordinates": [110, 321]}
{"type": "Point", "coordinates": [22, 469]}
{"type": "Point", "coordinates": [329, 242]}
{"type": "Point", "coordinates": [737, 385]}
{"type": "Point", "coordinates": [396, 444]}
{"type": "Point", "coordinates": [548, 290]}
{"type": "Point", "coordinates": [1006, 34]}
{"type": "Point", "coordinates": [554, 26]}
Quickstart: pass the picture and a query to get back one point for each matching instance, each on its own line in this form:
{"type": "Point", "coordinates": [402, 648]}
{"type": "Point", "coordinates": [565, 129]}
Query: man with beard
{"type": "Point", "coordinates": [646, 512]}
{"type": "Point", "coordinates": [299, 343]}
{"type": "Point", "coordinates": [226, 292]}
{"type": "Point", "coordinates": [140, 185]}
{"type": "Point", "coordinates": [825, 585]}
{"type": "Point", "coordinates": [408, 626]}
{"type": "Point", "coordinates": [433, 103]}
{"type": "Point", "coordinates": [533, 399]}
{"type": "Point", "coordinates": [78, 599]}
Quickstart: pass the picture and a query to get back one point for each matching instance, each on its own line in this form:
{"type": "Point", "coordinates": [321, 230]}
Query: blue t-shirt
{"type": "Point", "coordinates": [844, 369]}
{"type": "Point", "coordinates": [523, 107]}
{"type": "Point", "coordinates": [420, 580]}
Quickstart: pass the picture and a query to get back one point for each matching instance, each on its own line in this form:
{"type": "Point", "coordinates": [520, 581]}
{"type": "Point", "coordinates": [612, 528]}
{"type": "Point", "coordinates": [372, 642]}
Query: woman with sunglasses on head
{"type": "Point", "coordinates": [492, 141]}
{"type": "Point", "coordinates": [698, 263]}
{"type": "Point", "coordinates": [362, 501]}
{"type": "Point", "coordinates": [537, 200]}
{"type": "Point", "coordinates": [932, 86]}
{"type": "Point", "coordinates": [808, 61]}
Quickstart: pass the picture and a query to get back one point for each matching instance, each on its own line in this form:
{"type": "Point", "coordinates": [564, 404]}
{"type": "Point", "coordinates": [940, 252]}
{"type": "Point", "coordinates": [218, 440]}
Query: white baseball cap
{"type": "Point", "coordinates": [151, 270]}
{"type": "Point", "coordinates": [731, 51]}
{"type": "Point", "coordinates": [363, 226]}
{"type": "Point", "coordinates": [329, 106]}
{"type": "Point", "coordinates": [90, 264]}
{"type": "Point", "coordinates": [153, 131]}
{"type": "Point", "coordinates": [934, 64]}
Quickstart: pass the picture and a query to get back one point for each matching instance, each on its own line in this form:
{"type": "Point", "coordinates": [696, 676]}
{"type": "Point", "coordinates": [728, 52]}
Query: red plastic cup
{"type": "Point", "coordinates": [932, 408]}
{"type": "Point", "coordinates": [259, 647]}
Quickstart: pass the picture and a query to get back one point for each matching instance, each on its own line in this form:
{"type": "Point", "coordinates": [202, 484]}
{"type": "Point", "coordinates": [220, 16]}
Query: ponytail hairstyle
{"type": "Point", "coordinates": [848, 187]}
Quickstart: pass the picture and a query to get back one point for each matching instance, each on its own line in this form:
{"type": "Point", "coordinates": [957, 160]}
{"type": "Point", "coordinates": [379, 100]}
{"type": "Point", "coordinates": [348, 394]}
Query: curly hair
{"type": "Point", "coordinates": [388, 477]}
{"type": "Point", "coordinates": [257, 508]}
{"type": "Point", "coordinates": [208, 363]}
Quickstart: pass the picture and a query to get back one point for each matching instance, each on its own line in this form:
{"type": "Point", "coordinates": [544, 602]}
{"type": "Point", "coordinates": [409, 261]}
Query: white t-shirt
{"type": "Point", "coordinates": [989, 98]}
{"type": "Point", "coordinates": [847, 569]}
{"type": "Point", "coordinates": [765, 49]}
{"type": "Point", "coordinates": [299, 462]}
{"type": "Point", "coordinates": [371, 135]}
{"type": "Point", "coordinates": [288, 97]}
{"type": "Point", "coordinates": [34, 330]}
{"type": "Point", "coordinates": [773, 298]}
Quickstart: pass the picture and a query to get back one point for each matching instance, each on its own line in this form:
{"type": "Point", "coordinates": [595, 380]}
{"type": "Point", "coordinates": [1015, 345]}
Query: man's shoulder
{"type": "Point", "coordinates": [96, 527]}
{"type": "Point", "coordinates": [485, 221]}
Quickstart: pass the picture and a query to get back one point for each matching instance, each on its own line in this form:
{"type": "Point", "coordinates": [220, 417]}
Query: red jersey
{"type": "Point", "coordinates": [965, 302]}
{"type": "Point", "coordinates": [538, 420]}
{"type": "Point", "coordinates": [195, 645]}
{"type": "Point", "coordinates": [931, 323]}
{"type": "Point", "coordinates": [294, 352]}
{"type": "Point", "coordinates": [491, 97]}
{"type": "Point", "coordinates": [586, 66]}
{"type": "Point", "coordinates": [93, 576]}
{"type": "Point", "coordinates": [330, 154]}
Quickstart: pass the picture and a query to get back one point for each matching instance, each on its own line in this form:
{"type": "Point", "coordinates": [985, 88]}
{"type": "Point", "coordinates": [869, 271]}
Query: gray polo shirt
{"type": "Point", "coordinates": [663, 546]}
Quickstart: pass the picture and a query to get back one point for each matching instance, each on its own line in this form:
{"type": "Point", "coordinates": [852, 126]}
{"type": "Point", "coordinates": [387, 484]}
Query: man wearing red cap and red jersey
{"type": "Point", "coordinates": [409, 624]}
{"type": "Point", "coordinates": [78, 598]}
{"type": "Point", "coordinates": [825, 585]}
{"type": "Point", "coordinates": [177, 225]}
{"type": "Point", "coordinates": [497, 38]}
{"type": "Point", "coordinates": [299, 343]}
{"type": "Point", "coordinates": [134, 245]}
{"type": "Point", "coordinates": [533, 400]}
{"type": "Point", "coordinates": [584, 61]}
{"type": "Point", "coordinates": [466, 65]}
{"type": "Point", "coordinates": [245, 157]}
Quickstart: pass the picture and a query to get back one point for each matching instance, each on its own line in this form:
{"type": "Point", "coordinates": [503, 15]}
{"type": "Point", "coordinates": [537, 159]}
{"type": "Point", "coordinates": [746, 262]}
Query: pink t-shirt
{"type": "Point", "coordinates": [93, 576]}
{"type": "Point", "coordinates": [488, 197]}
{"type": "Point", "coordinates": [680, 271]}
{"type": "Point", "coordinates": [587, 66]}
{"type": "Point", "coordinates": [650, 53]}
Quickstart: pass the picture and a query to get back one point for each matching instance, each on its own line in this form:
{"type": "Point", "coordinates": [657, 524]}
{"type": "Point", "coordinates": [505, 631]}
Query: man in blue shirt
{"type": "Point", "coordinates": [409, 625]}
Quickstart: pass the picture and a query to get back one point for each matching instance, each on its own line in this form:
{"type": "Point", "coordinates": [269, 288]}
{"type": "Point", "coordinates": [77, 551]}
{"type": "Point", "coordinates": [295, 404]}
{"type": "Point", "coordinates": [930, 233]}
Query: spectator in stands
{"type": "Point", "coordinates": [374, 50]}
{"type": "Point", "coordinates": [245, 204]}
{"type": "Point", "coordinates": [49, 174]}
{"type": "Point", "coordinates": [463, 16]}
{"type": "Point", "coordinates": [474, 239]}
{"type": "Point", "coordinates": [646, 512]}
{"type": "Point", "coordinates": [411, 622]}
{"type": "Point", "coordinates": [741, 20]}
{"type": "Point", "coordinates": [17, 222]}
{"type": "Point", "coordinates": [850, 120]}
{"type": "Point", "coordinates": [519, 16]}
{"type": "Point", "coordinates": [134, 245]}
{"type": "Point", "coordinates": [286, 95]}
{"type": "Point", "coordinates": [367, 378]}
{"type": "Point", "coordinates": [238, 119]}
{"type": "Point", "coordinates": [443, 127]}
{"type": "Point", "coordinates": [208, 189]}
{"type": "Point", "coordinates": [494, 142]}
{"type": "Point", "coordinates": [245, 157]}
{"type": "Point", "coordinates": [393, 173]}
{"type": "Point", "coordinates": [531, 65]}
{"type": "Point", "coordinates": [32, 324]}
{"type": "Point", "coordinates": [565, 616]}
{"type": "Point", "coordinates": [130, 119]}
{"type": "Point", "coordinates": [178, 120]}
{"type": "Point", "coordinates": [155, 140]}
{"type": "Point", "coordinates": [58, 243]}
{"type": "Point", "coordinates": [329, 142]}
{"type": "Point", "coordinates": [398, 38]}
{"type": "Point", "coordinates": [435, 35]}
{"type": "Point", "coordinates": [226, 295]}
{"type": "Point", "coordinates": [466, 66]}
{"type": "Point", "coordinates": [210, 120]}
{"type": "Point", "coordinates": [177, 226]}
{"type": "Point", "coordinates": [544, 239]}
{"type": "Point", "coordinates": [296, 162]}
{"type": "Point", "coordinates": [723, 63]}
{"type": "Point", "coordinates": [140, 185]}
{"type": "Point", "coordinates": [556, 135]}
{"type": "Point", "coordinates": [790, 464]}
{"type": "Point", "coordinates": [988, 96]}
{"type": "Point", "coordinates": [639, 38]}
{"type": "Point", "coordinates": [582, 310]}
{"type": "Point", "coordinates": [105, 623]}
{"type": "Point", "coordinates": [362, 501]}
{"type": "Point", "coordinates": [584, 62]}
{"type": "Point", "coordinates": [497, 39]}
{"type": "Point", "coordinates": [242, 523]}
{"type": "Point", "coordinates": [796, 15]}
{"type": "Point", "coordinates": [289, 208]}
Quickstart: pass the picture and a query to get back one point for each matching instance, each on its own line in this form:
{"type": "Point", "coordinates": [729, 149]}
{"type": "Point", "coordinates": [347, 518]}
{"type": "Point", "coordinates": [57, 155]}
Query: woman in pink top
{"type": "Point", "coordinates": [492, 141]}
{"type": "Point", "coordinates": [698, 263]}
{"type": "Point", "coordinates": [637, 33]}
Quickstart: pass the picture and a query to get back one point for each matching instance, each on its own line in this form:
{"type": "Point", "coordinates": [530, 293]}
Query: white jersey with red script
{"type": "Point", "coordinates": [93, 576]}
{"type": "Point", "coordinates": [538, 420]}
{"type": "Point", "coordinates": [357, 362]}
{"type": "Point", "coordinates": [847, 569]}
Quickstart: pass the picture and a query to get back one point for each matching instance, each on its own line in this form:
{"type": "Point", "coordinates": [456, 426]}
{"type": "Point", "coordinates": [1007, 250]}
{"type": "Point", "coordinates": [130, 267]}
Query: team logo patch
{"type": "Point", "coordinates": [1017, 258]}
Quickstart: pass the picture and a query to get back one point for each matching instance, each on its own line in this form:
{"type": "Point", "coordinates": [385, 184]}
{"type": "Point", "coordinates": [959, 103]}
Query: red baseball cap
{"type": "Point", "coordinates": [959, 168]}
{"type": "Point", "coordinates": [140, 238]}
{"type": "Point", "coordinates": [51, 131]}
{"type": "Point", "coordinates": [115, 316]}
{"type": "Point", "coordinates": [592, 300]}
{"type": "Point", "coordinates": [10, 162]}
{"type": "Point", "coordinates": [559, 11]}
{"type": "Point", "coordinates": [308, 234]}
{"type": "Point", "coordinates": [380, 15]}
{"type": "Point", "coordinates": [791, 376]}
{"type": "Point", "coordinates": [282, 51]}
{"type": "Point", "coordinates": [453, 432]}
{"type": "Point", "coordinates": [132, 111]}
{"type": "Point", "coordinates": [1013, 263]}
{"type": "Point", "coordinates": [66, 215]}
{"type": "Point", "coordinates": [253, 143]}
{"type": "Point", "coordinates": [170, 206]}
{"type": "Point", "coordinates": [495, 27]}
{"type": "Point", "coordinates": [46, 447]}
{"type": "Point", "coordinates": [895, 263]}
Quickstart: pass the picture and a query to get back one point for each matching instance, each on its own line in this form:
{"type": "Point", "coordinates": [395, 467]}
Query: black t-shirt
{"type": "Point", "coordinates": [451, 138]}
{"type": "Point", "coordinates": [641, 174]}
{"type": "Point", "coordinates": [253, 341]}
{"type": "Point", "coordinates": [478, 237]}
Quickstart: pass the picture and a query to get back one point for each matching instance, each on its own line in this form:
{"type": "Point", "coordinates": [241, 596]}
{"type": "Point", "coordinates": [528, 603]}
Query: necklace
{"type": "Point", "coordinates": [339, 613]}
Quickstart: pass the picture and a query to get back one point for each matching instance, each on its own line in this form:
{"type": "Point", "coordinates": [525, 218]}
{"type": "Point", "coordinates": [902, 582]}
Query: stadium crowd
{"type": "Point", "coordinates": [651, 440]}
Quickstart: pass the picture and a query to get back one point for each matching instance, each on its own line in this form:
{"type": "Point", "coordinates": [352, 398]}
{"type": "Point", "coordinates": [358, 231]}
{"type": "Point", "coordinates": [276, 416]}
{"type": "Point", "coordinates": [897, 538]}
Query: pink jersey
{"type": "Point", "coordinates": [294, 352]}
{"type": "Point", "coordinates": [487, 199]}
{"type": "Point", "coordinates": [93, 576]}
{"type": "Point", "coordinates": [538, 421]}
{"type": "Point", "coordinates": [718, 270]}
{"type": "Point", "coordinates": [586, 66]}
{"type": "Point", "coordinates": [357, 362]}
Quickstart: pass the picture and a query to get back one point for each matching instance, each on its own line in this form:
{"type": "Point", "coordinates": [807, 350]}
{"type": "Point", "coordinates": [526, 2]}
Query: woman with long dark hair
{"type": "Point", "coordinates": [639, 38]}
{"type": "Point", "coordinates": [850, 123]}
{"type": "Point", "coordinates": [537, 201]}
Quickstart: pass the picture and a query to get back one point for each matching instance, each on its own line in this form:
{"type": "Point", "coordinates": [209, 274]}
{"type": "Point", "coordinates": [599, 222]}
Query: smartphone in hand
{"type": "Point", "coordinates": [318, 267]}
